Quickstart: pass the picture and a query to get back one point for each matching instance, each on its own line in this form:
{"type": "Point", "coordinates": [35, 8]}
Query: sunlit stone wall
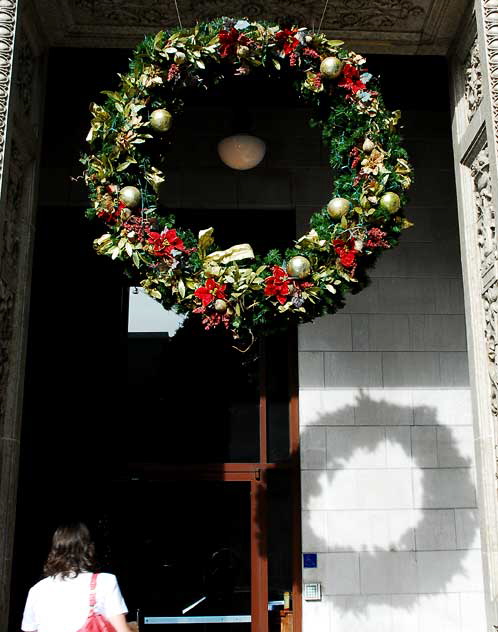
{"type": "Point", "coordinates": [388, 494]}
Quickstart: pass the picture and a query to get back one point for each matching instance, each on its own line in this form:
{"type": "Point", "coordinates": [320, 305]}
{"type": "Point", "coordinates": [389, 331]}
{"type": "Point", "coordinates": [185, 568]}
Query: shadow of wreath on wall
{"type": "Point", "coordinates": [318, 494]}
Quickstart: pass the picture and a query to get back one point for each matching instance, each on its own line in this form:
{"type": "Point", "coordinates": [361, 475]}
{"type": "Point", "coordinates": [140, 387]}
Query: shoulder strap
{"type": "Point", "coordinates": [93, 596]}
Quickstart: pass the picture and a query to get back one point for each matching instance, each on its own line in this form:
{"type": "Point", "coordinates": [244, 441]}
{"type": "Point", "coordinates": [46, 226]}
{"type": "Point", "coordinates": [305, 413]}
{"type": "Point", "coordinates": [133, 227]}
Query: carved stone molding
{"type": "Point", "coordinates": [6, 330]}
{"type": "Point", "coordinates": [365, 13]}
{"type": "Point", "coordinates": [9, 242]}
{"type": "Point", "coordinates": [8, 11]}
{"type": "Point", "coordinates": [473, 80]}
{"type": "Point", "coordinates": [381, 26]}
{"type": "Point", "coordinates": [490, 15]}
{"type": "Point", "coordinates": [486, 225]}
{"type": "Point", "coordinates": [488, 255]}
{"type": "Point", "coordinates": [15, 245]}
{"type": "Point", "coordinates": [15, 249]}
{"type": "Point", "coordinates": [483, 196]}
{"type": "Point", "coordinates": [354, 14]}
{"type": "Point", "coordinates": [12, 219]}
{"type": "Point", "coordinates": [20, 113]}
{"type": "Point", "coordinates": [24, 75]}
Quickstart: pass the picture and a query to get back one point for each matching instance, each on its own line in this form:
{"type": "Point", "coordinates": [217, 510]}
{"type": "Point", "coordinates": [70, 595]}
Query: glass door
{"type": "Point", "coordinates": [209, 460]}
{"type": "Point", "coordinates": [187, 546]}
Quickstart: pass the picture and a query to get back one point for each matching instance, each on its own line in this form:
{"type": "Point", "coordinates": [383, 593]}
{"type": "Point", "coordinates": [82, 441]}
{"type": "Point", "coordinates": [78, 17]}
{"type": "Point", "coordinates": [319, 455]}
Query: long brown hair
{"type": "Point", "coordinates": [72, 551]}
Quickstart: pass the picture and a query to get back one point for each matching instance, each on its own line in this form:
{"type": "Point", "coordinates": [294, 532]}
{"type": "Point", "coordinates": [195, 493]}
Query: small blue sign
{"type": "Point", "coordinates": [310, 560]}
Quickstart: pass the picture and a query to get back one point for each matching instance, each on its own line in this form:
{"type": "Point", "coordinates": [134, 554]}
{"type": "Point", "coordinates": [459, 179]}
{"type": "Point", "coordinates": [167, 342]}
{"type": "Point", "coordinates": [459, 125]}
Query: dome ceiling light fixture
{"type": "Point", "coordinates": [241, 151]}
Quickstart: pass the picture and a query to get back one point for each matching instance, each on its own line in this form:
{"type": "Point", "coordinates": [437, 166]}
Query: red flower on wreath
{"type": "Point", "coordinates": [211, 291]}
{"type": "Point", "coordinates": [230, 40]}
{"type": "Point", "coordinates": [277, 285]}
{"type": "Point", "coordinates": [287, 40]}
{"type": "Point", "coordinates": [351, 79]}
{"type": "Point", "coordinates": [347, 253]}
{"type": "Point", "coordinates": [164, 243]}
{"type": "Point", "coordinates": [110, 213]}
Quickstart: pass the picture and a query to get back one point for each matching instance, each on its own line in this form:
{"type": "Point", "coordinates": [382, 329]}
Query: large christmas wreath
{"type": "Point", "coordinates": [234, 288]}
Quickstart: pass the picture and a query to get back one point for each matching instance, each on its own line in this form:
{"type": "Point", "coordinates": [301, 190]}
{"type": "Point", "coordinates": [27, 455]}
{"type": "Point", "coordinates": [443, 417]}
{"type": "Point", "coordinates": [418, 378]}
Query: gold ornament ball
{"type": "Point", "coordinates": [298, 267]}
{"type": "Point", "coordinates": [179, 58]}
{"type": "Point", "coordinates": [220, 306]}
{"type": "Point", "coordinates": [331, 67]}
{"type": "Point", "coordinates": [243, 51]}
{"type": "Point", "coordinates": [368, 146]}
{"type": "Point", "coordinates": [338, 207]}
{"type": "Point", "coordinates": [130, 196]}
{"type": "Point", "coordinates": [126, 214]}
{"type": "Point", "coordinates": [390, 202]}
{"type": "Point", "coordinates": [160, 121]}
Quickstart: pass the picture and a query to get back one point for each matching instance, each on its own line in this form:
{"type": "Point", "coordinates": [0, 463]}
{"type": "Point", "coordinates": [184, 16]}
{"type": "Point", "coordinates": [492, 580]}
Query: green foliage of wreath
{"type": "Point", "coordinates": [233, 288]}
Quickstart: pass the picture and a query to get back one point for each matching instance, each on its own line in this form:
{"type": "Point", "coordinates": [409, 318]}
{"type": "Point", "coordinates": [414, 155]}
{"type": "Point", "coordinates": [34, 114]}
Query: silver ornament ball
{"type": "Point", "coordinates": [298, 267]}
{"type": "Point", "coordinates": [130, 196]}
{"type": "Point", "coordinates": [331, 67]}
{"type": "Point", "coordinates": [338, 207]}
{"type": "Point", "coordinates": [161, 121]}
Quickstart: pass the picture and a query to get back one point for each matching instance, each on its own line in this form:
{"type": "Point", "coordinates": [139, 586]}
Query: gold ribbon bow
{"type": "Point", "coordinates": [212, 261]}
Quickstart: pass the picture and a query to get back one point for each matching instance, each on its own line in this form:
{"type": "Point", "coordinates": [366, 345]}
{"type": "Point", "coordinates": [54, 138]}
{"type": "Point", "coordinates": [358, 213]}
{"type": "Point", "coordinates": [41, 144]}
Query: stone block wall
{"type": "Point", "coordinates": [388, 493]}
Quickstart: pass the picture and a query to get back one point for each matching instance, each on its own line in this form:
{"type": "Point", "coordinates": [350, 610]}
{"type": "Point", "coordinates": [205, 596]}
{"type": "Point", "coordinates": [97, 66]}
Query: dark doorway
{"type": "Point", "coordinates": [186, 551]}
{"type": "Point", "coordinates": [107, 416]}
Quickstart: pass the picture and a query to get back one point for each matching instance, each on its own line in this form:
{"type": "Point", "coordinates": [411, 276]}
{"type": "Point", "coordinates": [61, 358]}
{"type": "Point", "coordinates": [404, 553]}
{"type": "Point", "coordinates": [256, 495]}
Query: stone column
{"type": "Point", "coordinates": [21, 81]}
{"type": "Point", "coordinates": [474, 66]}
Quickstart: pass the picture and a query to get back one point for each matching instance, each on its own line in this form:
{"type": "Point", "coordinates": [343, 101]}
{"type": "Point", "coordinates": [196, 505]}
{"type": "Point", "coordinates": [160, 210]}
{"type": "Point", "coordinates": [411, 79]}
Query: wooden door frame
{"type": "Point", "coordinates": [256, 474]}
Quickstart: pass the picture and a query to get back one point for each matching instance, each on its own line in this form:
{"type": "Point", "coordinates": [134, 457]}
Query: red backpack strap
{"type": "Point", "coordinates": [93, 586]}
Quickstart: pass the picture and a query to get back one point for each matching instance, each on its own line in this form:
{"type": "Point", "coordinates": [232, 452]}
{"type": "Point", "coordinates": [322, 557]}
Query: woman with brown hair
{"type": "Point", "coordinates": [61, 601]}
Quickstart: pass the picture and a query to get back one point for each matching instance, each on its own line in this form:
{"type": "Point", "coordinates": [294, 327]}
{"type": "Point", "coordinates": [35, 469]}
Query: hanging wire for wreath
{"type": "Point", "coordinates": [233, 288]}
